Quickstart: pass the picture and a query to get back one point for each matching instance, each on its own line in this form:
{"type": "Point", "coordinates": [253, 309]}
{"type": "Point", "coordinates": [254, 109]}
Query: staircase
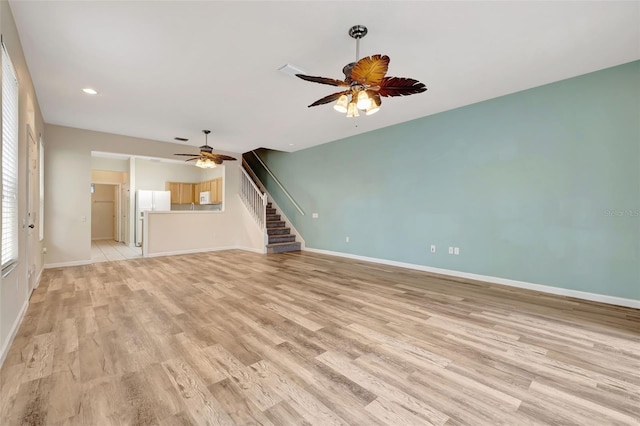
{"type": "Point", "coordinates": [280, 237]}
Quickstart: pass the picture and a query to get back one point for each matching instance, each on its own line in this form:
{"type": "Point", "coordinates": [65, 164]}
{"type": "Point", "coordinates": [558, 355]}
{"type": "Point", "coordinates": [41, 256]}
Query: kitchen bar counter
{"type": "Point", "coordinates": [193, 231]}
{"type": "Point", "coordinates": [196, 207]}
{"type": "Point", "coordinates": [189, 211]}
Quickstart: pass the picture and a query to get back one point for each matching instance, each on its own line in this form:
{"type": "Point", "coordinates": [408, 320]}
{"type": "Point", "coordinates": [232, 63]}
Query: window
{"type": "Point", "coordinates": [9, 163]}
{"type": "Point", "coordinates": [41, 188]}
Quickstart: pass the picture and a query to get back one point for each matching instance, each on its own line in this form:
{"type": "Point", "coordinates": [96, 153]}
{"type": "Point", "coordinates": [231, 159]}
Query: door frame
{"type": "Point", "coordinates": [31, 219]}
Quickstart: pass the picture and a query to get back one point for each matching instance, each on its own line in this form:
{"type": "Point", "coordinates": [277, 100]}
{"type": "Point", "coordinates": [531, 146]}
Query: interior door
{"type": "Point", "coordinates": [33, 198]}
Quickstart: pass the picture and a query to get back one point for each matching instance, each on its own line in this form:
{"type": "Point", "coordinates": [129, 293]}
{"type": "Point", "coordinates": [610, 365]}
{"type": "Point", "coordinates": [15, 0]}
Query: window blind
{"type": "Point", "coordinates": [9, 162]}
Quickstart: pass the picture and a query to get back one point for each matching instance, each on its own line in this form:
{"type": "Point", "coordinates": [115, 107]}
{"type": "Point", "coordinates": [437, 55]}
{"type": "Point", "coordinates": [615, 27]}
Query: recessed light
{"type": "Point", "coordinates": [89, 91]}
{"type": "Point", "coordinates": [291, 144]}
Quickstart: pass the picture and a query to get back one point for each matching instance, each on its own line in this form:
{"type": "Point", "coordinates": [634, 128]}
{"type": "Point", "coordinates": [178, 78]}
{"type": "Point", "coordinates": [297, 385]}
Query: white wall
{"type": "Point", "coordinates": [68, 175]}
{"type": "Point", "coordinates": [210, 174]}
{"type": "Point", "coordinates": [113, 164]}
{"type": "Point", "coordinates": [13, 287]}
{"type": "Point", "coordinates": [153, 175]}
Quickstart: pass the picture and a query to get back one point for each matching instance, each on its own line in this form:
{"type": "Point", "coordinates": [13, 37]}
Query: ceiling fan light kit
{"type": "Point", "coordinates": [365, 82]}
{"type": "Point", "coordinates": [205, 163]}
{"type": "Point", "coordinates": [206, 159]}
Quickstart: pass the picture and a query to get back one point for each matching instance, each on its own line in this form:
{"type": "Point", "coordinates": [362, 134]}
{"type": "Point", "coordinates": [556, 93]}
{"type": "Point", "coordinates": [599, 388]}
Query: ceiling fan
{"type": "Point", "coordinates": [365, 82]}
{"type": "Point", "coordinates": [207, 159]}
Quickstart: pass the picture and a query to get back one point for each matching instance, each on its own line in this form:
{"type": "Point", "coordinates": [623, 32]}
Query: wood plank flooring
{"type": "Point", "coordinates": [304, 339]}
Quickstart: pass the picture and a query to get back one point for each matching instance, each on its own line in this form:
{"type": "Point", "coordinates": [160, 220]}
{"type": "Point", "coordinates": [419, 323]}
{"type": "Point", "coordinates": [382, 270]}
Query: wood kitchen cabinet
{"type": "Point", "coordinates": [213, 186]}
{"type": "Point", "coordinates": [174, 187]}
{"type": "Point", "coordinates": [216, 194]}
{"type": "Point", "coordinates": [181, 192]}
{"type": "Point", "coordinates": [197, 189]}
{"type": "Point", "coordinates": [187, 193]}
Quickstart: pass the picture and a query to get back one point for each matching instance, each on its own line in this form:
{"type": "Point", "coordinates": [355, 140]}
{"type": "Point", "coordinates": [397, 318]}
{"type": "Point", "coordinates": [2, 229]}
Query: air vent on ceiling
{"type": "Point", "coordinates": [181, 139]}
{"type": "Point", "coordinates": [291, 70]}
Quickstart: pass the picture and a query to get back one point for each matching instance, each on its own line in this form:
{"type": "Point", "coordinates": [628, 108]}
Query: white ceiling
{"type": "Point", "coordinates": [172, 68]}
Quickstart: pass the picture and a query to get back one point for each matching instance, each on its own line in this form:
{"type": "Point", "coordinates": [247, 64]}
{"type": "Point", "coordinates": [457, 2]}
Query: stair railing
{"type": "Point", "coordinates": [275, 179]}
{"type": "Point", "coordinates": [253, 199]}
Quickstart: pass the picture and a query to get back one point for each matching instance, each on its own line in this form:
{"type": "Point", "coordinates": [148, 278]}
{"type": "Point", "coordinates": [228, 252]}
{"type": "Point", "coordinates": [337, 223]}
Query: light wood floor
{"type": "Point", "coordinates": [298, 339]}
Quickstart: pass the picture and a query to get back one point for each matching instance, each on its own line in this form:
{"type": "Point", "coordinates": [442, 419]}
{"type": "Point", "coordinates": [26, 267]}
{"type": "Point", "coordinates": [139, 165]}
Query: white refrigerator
{"type": "Point", "coordinates": [149, 201]}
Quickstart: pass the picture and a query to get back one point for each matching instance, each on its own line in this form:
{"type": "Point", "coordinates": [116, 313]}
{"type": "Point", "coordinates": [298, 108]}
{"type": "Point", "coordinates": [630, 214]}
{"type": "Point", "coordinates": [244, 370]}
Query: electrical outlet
{"type": "Point", "coordinates": [456, 250]}
{"type": "Point", "coordinates": [314, 215]}
{"type": "Point", "coordinates": [346, 239]}
{"type": "Point", "coordinates": [433, 248]}
{"type": "Point", "coordinates": [450, 250]}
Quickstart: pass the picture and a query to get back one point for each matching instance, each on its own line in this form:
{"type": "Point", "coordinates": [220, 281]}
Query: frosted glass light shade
{"type": "Point", "coordinates": [373, 108]}
{"type": "Point", "coordinates": [364, 101]}
{"type": "Point", "coordinates": [375, 105]}
{"type": "Point", "coordinates": [205, 163]}
{"type": "Point", "coordinates": [352, 110]}
{"type": "Point", "coordinates": [341, 104]}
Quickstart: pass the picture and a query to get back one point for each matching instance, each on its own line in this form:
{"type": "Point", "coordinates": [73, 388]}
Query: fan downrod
{"type": "Point", "coordinates": [358, 31]}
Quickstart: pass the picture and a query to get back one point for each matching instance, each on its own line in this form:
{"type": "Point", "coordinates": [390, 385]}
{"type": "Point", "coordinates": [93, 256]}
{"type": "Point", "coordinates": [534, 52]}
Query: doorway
{"type": "Point", "coordinates": [105, 212]}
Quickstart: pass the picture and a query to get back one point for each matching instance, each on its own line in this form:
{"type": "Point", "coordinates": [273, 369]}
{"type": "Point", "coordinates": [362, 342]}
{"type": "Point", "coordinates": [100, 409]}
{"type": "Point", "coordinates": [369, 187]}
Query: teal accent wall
{"type": "Point", "coordinates": [541, 186]}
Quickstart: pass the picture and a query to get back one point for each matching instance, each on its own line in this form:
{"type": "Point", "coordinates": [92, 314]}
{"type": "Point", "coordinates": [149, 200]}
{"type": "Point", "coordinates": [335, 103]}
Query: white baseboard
{"type": "Point", "coordinates": [594, 297]}
{"type": "Point", "coordinates": [252, 249]}
{"type": "Point", "coordinates": [204, 250]}
{"type": "Point", "coordinates": [63, 264]}
{"type": "Point", "coordinates": [38, 278]}
{"type": "Point", "coordinates": [14, 329]}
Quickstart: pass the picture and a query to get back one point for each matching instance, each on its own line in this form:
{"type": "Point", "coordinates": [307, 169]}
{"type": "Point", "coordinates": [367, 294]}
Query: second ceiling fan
{"type": "Point", "coordinates": [206, 159]}
{"type": "Point", "coordinates": [365, 82]}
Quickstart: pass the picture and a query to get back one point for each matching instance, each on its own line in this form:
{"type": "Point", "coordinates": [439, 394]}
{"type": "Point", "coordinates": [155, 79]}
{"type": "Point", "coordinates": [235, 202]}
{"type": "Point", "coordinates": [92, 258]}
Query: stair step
{"type": "Point", "coordinates": [282, 247]}
{"type": "Point", "coordinates": [284, 238]}
{"type": "Point", "coordinates": [271, 211]}
{"type": "Point", "coordinates": [278, 231]}
{"type": "Point", "coordinates": [275, 224]}
{"type": "Point", "coordinates": [269, 205]}
{"type": "Point", "coordinates": [273, 217]}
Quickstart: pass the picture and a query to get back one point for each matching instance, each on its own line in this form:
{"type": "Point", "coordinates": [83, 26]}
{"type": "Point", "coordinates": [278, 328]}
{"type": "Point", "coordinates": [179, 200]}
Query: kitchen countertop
{"type": "Point", "coordinates": [187, 211]}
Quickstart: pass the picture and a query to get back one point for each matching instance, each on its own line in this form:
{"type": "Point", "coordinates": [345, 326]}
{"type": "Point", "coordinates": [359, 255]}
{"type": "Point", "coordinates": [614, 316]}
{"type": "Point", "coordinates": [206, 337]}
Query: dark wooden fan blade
{"type": "Point", "coordinates": [370, 70]}
{"type": "Point", "coordinates": [322, 80]}
{"type": "Point", "coordinates": [400, 86]}
{"type": "Point", "coordinates": [187, 155]}
{"type": "Point", "coordinates": [224, 157]}
{"type": "Point", "coordinates": [217, 158]}
{"type": "Point", "coordinates": [192, 159]}
{"type": "Point", "coordinates": [329, 98]}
